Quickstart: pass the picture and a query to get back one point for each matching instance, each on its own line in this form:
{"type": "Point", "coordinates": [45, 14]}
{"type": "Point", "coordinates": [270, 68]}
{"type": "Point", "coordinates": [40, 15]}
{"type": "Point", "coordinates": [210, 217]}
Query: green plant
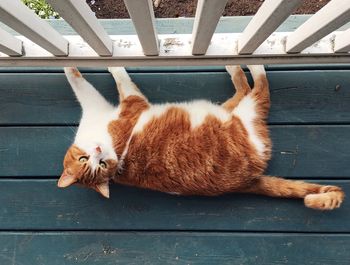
{"type": "Point", "coordinates": [41, 8]}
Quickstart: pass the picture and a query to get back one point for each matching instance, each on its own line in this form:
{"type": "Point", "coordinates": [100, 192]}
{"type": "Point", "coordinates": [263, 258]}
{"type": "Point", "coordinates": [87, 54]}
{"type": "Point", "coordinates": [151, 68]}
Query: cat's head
{"type": "Point", "coordinates": [91, 167]}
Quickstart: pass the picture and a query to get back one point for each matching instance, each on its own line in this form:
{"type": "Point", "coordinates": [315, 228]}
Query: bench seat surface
{"type": "Point", "coordinates": [41, 224]}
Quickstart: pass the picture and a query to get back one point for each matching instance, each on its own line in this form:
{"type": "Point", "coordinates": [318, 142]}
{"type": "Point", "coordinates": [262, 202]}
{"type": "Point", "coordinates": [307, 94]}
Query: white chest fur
{"type": "Point", "coordinates": [93, 131]}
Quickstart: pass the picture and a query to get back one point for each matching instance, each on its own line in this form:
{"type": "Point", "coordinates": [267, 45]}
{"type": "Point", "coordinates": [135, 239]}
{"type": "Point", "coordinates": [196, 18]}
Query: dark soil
{"type": "Point", "coordinates": [187, 8]}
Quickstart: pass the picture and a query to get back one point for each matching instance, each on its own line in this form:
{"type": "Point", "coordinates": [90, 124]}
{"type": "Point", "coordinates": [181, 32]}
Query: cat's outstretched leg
{"type": "Point", "coordinates": [126, 87]}
{"type": "Point", "coordinates": [241, 85]}
{"type": "Point", "coordinates": [315, 196]}
{"type": "Point", "coordinates": [89, 98]}
{"type": "Point", "coordinates": [261, 91]}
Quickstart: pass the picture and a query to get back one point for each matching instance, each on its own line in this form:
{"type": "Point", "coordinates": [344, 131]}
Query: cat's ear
{"type": "Point", "coordinates": [103, 189]}
{"type": "Point", "coordinates": [66, 180]}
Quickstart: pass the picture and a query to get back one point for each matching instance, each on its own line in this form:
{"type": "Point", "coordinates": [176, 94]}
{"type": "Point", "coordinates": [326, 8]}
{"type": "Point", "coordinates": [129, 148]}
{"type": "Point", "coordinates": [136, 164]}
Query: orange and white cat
{"type": "Point", "coordinates": [190, 148]}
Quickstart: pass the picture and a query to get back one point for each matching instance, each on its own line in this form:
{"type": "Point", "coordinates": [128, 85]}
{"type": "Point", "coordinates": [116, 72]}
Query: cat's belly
{"type": "Point", "coordinates": [175, 152]}
{"type": "Point", "coordinates": [197, 112]}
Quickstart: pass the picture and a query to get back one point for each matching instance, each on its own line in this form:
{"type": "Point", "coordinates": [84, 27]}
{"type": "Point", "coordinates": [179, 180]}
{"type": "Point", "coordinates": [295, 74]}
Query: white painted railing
{"type": "Point", "coordinates": [315, 41]}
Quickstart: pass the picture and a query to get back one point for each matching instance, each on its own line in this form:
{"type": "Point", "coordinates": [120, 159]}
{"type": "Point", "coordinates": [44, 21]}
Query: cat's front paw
{"type": "Point", "coordinates": [72, 71]}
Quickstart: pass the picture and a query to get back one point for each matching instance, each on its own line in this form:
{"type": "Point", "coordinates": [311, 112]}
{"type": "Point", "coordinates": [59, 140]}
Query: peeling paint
{"type": "Point", "coordinates": [168, 42]}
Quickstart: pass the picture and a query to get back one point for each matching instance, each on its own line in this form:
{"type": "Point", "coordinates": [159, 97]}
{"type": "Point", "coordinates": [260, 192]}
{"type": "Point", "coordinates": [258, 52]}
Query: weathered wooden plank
{"type": "Point", "coordinates": [79, 15]}
{"type": "Point", "coordinates": [270, 15]}
{"type": "Point", "coordinates": [299, 151]}
{"type": "Point", "coordinates": [335, 14]}
{"type": "Point", "coordinates": [169, 248]}
{"type": "Point", "coordinates": [142, 15]}
{"type": "Point", "coordinates": [298, 97]}
{"type": "Point", "coordinates": [9, 44]}
{"type": "Point", "coordinates": [208, 13]}
{"type": "Point", "coordinates": [341, 42]}
{"type": "Point", "coordinates": [175, 49]}
{"type": "Point", "coordinates": [173, 26]}
{"type": "Point", "coordinates": [19, 17]}
{"type": "Point", "coordinates": [41, 205]}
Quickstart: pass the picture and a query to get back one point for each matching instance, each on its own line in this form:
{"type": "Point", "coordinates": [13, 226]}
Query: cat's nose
{"type": "Point", "coordinates": [98, 149]}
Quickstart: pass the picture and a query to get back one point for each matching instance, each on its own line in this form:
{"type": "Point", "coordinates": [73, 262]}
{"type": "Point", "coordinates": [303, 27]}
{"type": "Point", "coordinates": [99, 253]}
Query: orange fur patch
{"type": "Point", "coordinates": [131, 109]}
{"type": "Point", "coordinates": [169, 156]}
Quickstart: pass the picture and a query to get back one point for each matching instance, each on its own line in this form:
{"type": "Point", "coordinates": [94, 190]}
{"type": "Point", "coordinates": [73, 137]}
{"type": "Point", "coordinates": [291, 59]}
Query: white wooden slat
{"type": "Point", "coordinates": [342, 42]}
{"type": "Point", "coordinates": [270, 15]}
{"type": "Point", "coordinates": [142, 16]}
{"type": "Point", "coordinates": [335, 14]}
{"type": "Point", "coordinates": [79, 15]}
{"type": "Point", "coordinates": [207, 17]}
{"type": "Point", "coordinates": [175, 50]}
{"type": "Point", "coordinates": [17, 16]}
{"type": "Point", "coordinates": [9, 44]}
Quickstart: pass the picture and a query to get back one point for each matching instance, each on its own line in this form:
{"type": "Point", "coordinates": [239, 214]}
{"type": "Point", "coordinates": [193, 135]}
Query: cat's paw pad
{"type": "Point", "coordinates": [324, 201]}
{"type": "Point", "coordinates": [232, 69]}
{"type": "Point", "coordinates": [72, 71]}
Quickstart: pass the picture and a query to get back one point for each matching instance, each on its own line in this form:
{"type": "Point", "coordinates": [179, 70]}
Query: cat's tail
{"type": "Point", "coordinates": [315, 196]}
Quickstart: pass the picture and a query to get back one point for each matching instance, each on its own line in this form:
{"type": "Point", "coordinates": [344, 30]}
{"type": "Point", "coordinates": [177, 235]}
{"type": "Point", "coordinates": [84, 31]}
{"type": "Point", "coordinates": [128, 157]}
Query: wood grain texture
{"type": "Point", "coordinates": [298, 97]}
{"type": "Point", "coordinates": [170, 248]}
{"type": "Point", "coordinates": [298, 151]}
{"type": "Point", "coordinates": [41, 205]}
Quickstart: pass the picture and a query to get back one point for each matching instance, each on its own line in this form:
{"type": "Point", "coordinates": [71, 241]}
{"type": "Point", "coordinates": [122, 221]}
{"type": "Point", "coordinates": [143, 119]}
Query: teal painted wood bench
{"type": "Point", "coordinates": [42, 224]}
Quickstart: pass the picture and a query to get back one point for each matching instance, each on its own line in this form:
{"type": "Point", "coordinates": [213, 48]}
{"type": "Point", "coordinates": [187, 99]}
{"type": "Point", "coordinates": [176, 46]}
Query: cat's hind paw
{"type": "Point", "coordinates": [331, 198]}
